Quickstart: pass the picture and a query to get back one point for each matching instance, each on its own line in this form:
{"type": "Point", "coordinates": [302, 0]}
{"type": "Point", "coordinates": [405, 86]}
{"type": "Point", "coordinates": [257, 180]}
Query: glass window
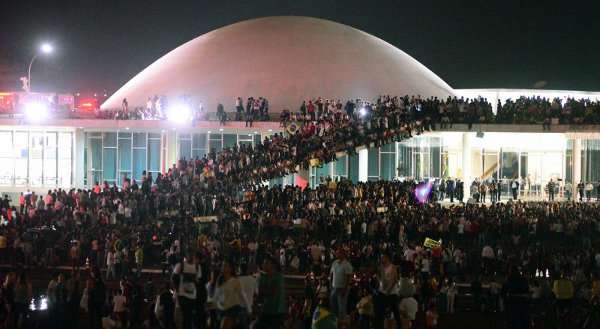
{"type": "Point", "coordinates": [373, 165]}
{"type": "Point", "coordinates": [388, 166]}
{"type": "Point", "coordinates": [6, 158]}
{"type": "Point", "coordinates": [50, 159]}
{"type": "Point", "coordinates": [36, 164]}
{"type": "Point", "coordinates": [215, 145]}
{"type": "Point", "coordinates": [322, 172]}
{"type": "Point", "coordinates": [153, 155]}
{"type": "Point", "coordinates": [21, 157]}
{"type": "Point", "coordinates": [388, 148]}
{"type": "Point", "coordinates": [405, 159]}
{"type": "Point", "coordinates": [154, 135]}
{"type": "Point", "coordinates": [229, 140]}
{"type": "Point", "coordinates": [6, 150]}
{"type": "Point", "coordinates": [185, 149]}
{"type": "Point", "coordinates": [65, 145]}
{"type": "Point", "coordinates": [110, 164]}
{"type": "Point", "coordinates": [257, 139]}
{"type": "Point", "coordinates": [125, 135]}
{"type": "Point", "coordinates": [569, 161]}
{"type": "Point", "coordinates": [353, 168]}
{"type": "Point", "coordinates": [96, 153]}
{"type": "Point", "coordinates": [125, 154]}
{"type": "Point", "coordinates": [110, 139]}
{"type": "Point", "coordinates": [510, 165]}
{"type": "Point", "coordinates": [340, 167]}
{"type": "Point", "coordinates": [198, 153]}
{"type": "Point", "coordinates": [199, 141]}
{"type": "Point", "coordinates": [435, 161]}
{"type": "Point", "coordinates": [139, 139]}
{"type": "Point", "coordinates": [139, 163]}
{"type": "Point", "coordinates": [64, 172]}
{"type": "Point", "coordinates": [276, 181]}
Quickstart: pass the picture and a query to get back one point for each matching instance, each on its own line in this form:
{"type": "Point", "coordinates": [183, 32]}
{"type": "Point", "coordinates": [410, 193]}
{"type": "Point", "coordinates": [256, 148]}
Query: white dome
{"type": "Point", "coordinates": [286, 59]}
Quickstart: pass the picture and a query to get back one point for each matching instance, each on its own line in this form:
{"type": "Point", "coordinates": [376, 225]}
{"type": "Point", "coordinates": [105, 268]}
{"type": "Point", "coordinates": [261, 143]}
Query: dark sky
{"type": "Point", "coordinates": [470, 44]}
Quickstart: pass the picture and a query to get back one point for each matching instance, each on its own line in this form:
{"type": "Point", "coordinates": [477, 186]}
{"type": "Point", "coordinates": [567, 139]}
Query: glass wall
{"type": "Point", "coordinates": [36, 158]}
{"type": "Point", "coordinates": [381, 165]}
{"type": "Point", "coordinates": [114, 156]}
{"type": "Point", "coordinates": [192, 145]}
{"type": "Point", "coordinates": [590, 160]}
{"type": "Point", "coordinates": [421, 158]}
{"type": "Point", "coordinates": [196, 145]}
{"type": "Point", "coordinates": [337, 170]}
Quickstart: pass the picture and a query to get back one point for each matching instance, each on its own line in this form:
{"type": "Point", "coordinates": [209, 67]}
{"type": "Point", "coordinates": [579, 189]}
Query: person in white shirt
{"type": "Point", "coordinates": [487, 255]}
{"type": "Point", "coordinates": [187, 273]}
{"type": "Point", "coordinates": [589, 187]}
{"type": "Point", "coordinates": [341, 272]}
{"type": "Point", "coordinates": [388, 291]}
{"type": "Point", "coordinates": [249, 287]}
{"type": "Point", "coordinates": [408, 311]}
{"type": "Point", "coordinates": [120, 308]}
{"type": "Point", "coordinates": [110, 264]}
{"type": "Point", "coordinates": [230, 298]}
{"type": "Point", "coordinates": [451, 291]}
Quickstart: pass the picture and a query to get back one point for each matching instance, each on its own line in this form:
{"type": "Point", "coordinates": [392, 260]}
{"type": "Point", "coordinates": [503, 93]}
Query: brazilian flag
{"type": "Point", "coordinates": [324, 319]}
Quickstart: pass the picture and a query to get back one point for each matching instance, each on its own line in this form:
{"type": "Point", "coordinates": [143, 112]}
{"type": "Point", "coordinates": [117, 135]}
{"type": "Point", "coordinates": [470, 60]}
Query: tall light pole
{"type": "Point", "coordinates": [44, 49]}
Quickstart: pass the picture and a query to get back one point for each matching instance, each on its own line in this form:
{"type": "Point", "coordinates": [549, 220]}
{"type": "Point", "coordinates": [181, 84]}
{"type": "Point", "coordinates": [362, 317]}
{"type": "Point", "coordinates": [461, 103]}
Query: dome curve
{"type": "Point", "coordinates": [286, 59]}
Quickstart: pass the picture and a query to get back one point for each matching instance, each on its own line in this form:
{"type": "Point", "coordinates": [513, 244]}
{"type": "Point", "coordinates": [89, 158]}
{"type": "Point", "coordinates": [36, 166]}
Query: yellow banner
{"type": "Point", "coordinates": [431, 243]}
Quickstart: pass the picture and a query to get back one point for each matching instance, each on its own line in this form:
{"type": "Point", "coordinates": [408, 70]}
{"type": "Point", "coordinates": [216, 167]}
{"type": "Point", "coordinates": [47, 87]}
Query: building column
{"type": "Point", "coordinates": [576, 165]}
{"type": "Point", "coordinates": [171, 149]}
{"type": "Point", "coordinates": [466, 163]}
{"type": "Point", "coordinates": [363, 165]}
{"type": "Point", "coordinates": [78, 158]}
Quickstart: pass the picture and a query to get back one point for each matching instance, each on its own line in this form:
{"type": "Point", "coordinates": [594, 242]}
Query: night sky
{"type": "Point", "coordinates": [479, 44]}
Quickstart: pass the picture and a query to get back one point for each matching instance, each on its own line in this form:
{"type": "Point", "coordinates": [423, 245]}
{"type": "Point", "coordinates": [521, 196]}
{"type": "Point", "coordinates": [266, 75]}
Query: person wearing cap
{"type": "Point", "coordinates": [340, 272]}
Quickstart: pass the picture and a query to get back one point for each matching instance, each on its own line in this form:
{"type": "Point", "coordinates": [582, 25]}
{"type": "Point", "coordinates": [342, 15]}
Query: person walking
{"type": "Point", "coordinates": [230, 298]}
{"type": "Point", "coordinates": [514, 186]}
{"type": "Point", "coordinates": [387, 294]}
{"type": "Point", "coordinates": [185, 277]}
{"type": "Point", "coordinates": [581, 188]}
{"type": "Point", "coordinates": [340, 273]}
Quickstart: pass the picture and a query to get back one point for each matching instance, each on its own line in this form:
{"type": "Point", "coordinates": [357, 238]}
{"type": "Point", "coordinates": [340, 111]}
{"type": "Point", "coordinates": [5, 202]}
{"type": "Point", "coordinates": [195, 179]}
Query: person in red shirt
{"type": "Point", "coordinates": [21, 203]}
{"type": "Point", "coordinates": [311, 110]}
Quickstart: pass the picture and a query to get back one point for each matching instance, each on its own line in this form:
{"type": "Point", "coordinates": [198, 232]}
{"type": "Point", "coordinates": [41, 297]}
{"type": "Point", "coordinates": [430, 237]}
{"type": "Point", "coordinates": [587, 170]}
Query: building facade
{"type": "Point", "coordinates": [79, 153]}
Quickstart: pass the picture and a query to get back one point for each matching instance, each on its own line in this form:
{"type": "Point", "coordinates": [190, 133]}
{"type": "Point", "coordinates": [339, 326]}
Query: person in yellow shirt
{"type": "Point", "coordinates": [564, 290]}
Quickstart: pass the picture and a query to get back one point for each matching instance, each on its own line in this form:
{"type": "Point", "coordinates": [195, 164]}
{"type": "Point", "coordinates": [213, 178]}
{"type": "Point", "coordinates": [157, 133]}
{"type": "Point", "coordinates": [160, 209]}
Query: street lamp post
{"type": "Point", "coordinates": [45, 48]}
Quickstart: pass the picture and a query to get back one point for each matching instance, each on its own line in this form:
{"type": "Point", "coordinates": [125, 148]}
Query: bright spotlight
{"type": "Point", "coordinates": [362, 111]}
{"type": "Point", "coordinates": [36, 111]}
{"type": "Point", "coordinates": [46, 48]}
{"type": "Point", "coordinates": [179, 113]}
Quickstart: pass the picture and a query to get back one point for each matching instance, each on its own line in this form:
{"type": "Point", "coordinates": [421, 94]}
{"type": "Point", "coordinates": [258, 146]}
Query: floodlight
{"type": "Point", "coordinates": [362, 111]}
{"type": "Point", "coordinates": [36, 111]}
{"type": "Point", "coordinates": [179, 113]}
{"type": "Point", "coordinates": [46, 48]}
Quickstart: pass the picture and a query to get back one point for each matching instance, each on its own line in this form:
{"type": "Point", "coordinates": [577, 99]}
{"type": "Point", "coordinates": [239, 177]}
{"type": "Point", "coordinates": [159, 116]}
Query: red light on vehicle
{"type": "Point", "coordinates": [87, 104]}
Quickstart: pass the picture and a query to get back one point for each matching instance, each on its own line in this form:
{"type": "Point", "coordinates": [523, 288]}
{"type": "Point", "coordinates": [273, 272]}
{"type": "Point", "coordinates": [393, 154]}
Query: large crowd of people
{"type": "Point", "coordinates": [443, 112]}
{"type": "Point", "coordinates": [368, 251]}
{"type": "Point", "coordinates": [369, 254]}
